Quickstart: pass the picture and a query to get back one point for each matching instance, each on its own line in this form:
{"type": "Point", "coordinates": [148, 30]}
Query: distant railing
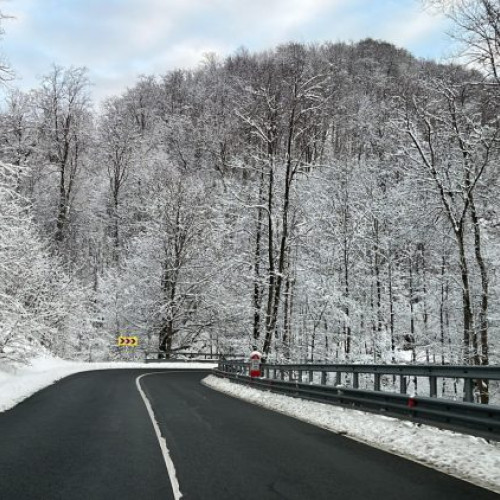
{"type": "Point", "coordinates": [182, 356]}
{"type": "Point", "coordinates": [341, 384]}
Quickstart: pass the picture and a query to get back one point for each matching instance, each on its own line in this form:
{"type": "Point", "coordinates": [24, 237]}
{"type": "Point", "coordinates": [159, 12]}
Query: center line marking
{"type": "Point", "coordinates": [163, 443]}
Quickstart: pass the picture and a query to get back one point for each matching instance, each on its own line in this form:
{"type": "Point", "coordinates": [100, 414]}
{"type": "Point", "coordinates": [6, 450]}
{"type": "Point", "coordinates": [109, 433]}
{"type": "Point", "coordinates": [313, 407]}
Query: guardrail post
{"type": "Point", "coordinates": [466, 416]}
{"type": "Point", "coordinates": [355, 380]}
{"type": "Point", "coordinates": [433, 387]}
{"type": "Point", "coordinates": [468, 393]}
{"type": "Point", "coordinates": [402, 384]}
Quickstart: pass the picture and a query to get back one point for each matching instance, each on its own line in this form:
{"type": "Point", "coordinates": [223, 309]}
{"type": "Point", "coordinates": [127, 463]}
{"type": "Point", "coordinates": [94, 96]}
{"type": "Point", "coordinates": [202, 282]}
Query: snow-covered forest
{"type": "Point", "coordinates": [334, 201]}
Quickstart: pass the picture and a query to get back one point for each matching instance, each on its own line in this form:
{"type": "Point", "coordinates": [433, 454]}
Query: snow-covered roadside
{"type": "Point", "coordinates": [17, 385]}
{"type": "Point", "coordinates": [466, 457]}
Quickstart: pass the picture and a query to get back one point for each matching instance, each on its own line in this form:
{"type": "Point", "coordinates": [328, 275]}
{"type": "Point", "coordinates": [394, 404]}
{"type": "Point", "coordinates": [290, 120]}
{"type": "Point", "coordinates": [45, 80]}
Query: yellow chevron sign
{"type": "Point", "coordinates": [128, 341]}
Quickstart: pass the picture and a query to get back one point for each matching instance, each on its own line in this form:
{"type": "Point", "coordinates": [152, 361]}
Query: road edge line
{"type": "Point", "coordinates": [161, 440]}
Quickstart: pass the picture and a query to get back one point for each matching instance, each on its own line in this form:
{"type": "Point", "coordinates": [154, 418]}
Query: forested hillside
{"type": "Point", "coordinates": [335, 201]}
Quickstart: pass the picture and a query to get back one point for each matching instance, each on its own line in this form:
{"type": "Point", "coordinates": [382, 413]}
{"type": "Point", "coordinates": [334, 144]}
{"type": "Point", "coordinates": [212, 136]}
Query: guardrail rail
{"type": "Point", "coordinates": [340, 384]}
{"type": "Point", "coordinates": [186, 357]}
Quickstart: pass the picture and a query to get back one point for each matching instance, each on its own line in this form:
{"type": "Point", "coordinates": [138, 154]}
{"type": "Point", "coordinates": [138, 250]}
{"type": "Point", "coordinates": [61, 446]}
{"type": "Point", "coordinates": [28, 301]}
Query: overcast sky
{"type": "Point", "coordinates": [118, 40]}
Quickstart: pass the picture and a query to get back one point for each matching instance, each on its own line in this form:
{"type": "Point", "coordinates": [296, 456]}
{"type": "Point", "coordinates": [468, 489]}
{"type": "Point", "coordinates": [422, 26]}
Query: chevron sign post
{"type": "Point", "coordinates": [128, 341]}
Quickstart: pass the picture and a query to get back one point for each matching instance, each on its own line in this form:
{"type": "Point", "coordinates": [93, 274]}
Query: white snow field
{"type": "Point", "coordinates": [466, 457]}
{"type": "Point", "coordinates": [16, 384]}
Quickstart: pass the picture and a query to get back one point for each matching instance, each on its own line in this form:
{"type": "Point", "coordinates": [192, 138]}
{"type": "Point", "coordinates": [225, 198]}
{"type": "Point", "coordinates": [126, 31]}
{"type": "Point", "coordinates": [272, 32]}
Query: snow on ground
{"type": "Point", "coordinates": [466, 457]}
{"type": "Point", "coordinates": [16, 384]}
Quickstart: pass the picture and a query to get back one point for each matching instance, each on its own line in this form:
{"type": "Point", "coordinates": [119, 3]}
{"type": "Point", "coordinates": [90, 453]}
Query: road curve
{"type": "Point", "coordinates": [87, 437]}
{"type": "Point", "coordinates": [90, 437]}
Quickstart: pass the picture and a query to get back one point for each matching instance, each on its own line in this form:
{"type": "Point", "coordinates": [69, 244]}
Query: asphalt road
{"type": "Point", "coordinates": [90, 437]}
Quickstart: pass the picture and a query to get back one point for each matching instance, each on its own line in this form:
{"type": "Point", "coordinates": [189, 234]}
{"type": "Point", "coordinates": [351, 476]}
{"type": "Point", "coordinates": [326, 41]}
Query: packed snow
{"type": "Point", "coordinates": [18, 383]}
{"type": "Point", "coordinates": [466, 457]}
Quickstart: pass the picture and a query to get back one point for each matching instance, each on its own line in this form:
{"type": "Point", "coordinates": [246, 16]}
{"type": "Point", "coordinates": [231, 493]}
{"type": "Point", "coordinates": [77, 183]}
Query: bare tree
{"type": "Point", "coordinates": [6, 73]}
{"type": "Point", "coordinates": [477, 29]}
{"type": "Point", "coordinates": [65, 113]}
{"type": "Point", "coordinates": [118, 141]}
{"type": "Point", "coordinates": [456, 147]}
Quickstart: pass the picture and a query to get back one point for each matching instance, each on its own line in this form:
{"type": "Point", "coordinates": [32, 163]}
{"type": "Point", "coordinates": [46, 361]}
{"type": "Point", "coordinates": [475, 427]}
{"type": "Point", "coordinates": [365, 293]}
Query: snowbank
{"type": "Point", "coordinates": [18, 384]}
{"type": "Point", "coordinates": [466, 457]}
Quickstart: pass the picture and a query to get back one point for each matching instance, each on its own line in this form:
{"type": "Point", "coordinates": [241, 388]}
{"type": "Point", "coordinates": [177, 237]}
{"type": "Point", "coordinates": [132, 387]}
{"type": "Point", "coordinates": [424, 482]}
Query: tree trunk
{"type": "Point", "coordinates": [347, 322]}
{"type": "Point", "coordinates": [391, 314]}
{"type": "Point", "coordinates": [257, 288]}
{"type": "Point", "coordinates": [277, 278]}
{"type": "Point", "coordinates": [62, 209]}
{"type": "Point", "coordinates": [166, 338]}
{"type": "Point", "coordinates": [468, 321]}
{"type": "Point", "coordinates": [483, 315]}
{"type": "Point", "coordinates": [286, 318]}
{"type": "Point", "coordinates": [412, 339]}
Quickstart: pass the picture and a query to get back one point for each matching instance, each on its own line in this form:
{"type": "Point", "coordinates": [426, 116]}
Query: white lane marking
{"type": "Point", "coordinates": [163, 444]}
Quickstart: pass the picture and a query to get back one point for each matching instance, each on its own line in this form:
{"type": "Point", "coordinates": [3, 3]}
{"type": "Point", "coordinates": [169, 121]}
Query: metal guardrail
{"type": "Point", "coordinates": [471, 418]}
{"type": "Point", "coordinates": [186, 357]}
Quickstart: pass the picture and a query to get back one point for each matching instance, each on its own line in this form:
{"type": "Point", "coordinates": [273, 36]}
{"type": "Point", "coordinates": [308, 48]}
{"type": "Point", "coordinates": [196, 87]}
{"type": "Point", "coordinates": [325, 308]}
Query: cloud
{"type": "Point", "coordinates": [119, 39]}
{"type": "Point", "coordinates": [418, 30]}
{"type": "Point", "coordinates": [409, 25]}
